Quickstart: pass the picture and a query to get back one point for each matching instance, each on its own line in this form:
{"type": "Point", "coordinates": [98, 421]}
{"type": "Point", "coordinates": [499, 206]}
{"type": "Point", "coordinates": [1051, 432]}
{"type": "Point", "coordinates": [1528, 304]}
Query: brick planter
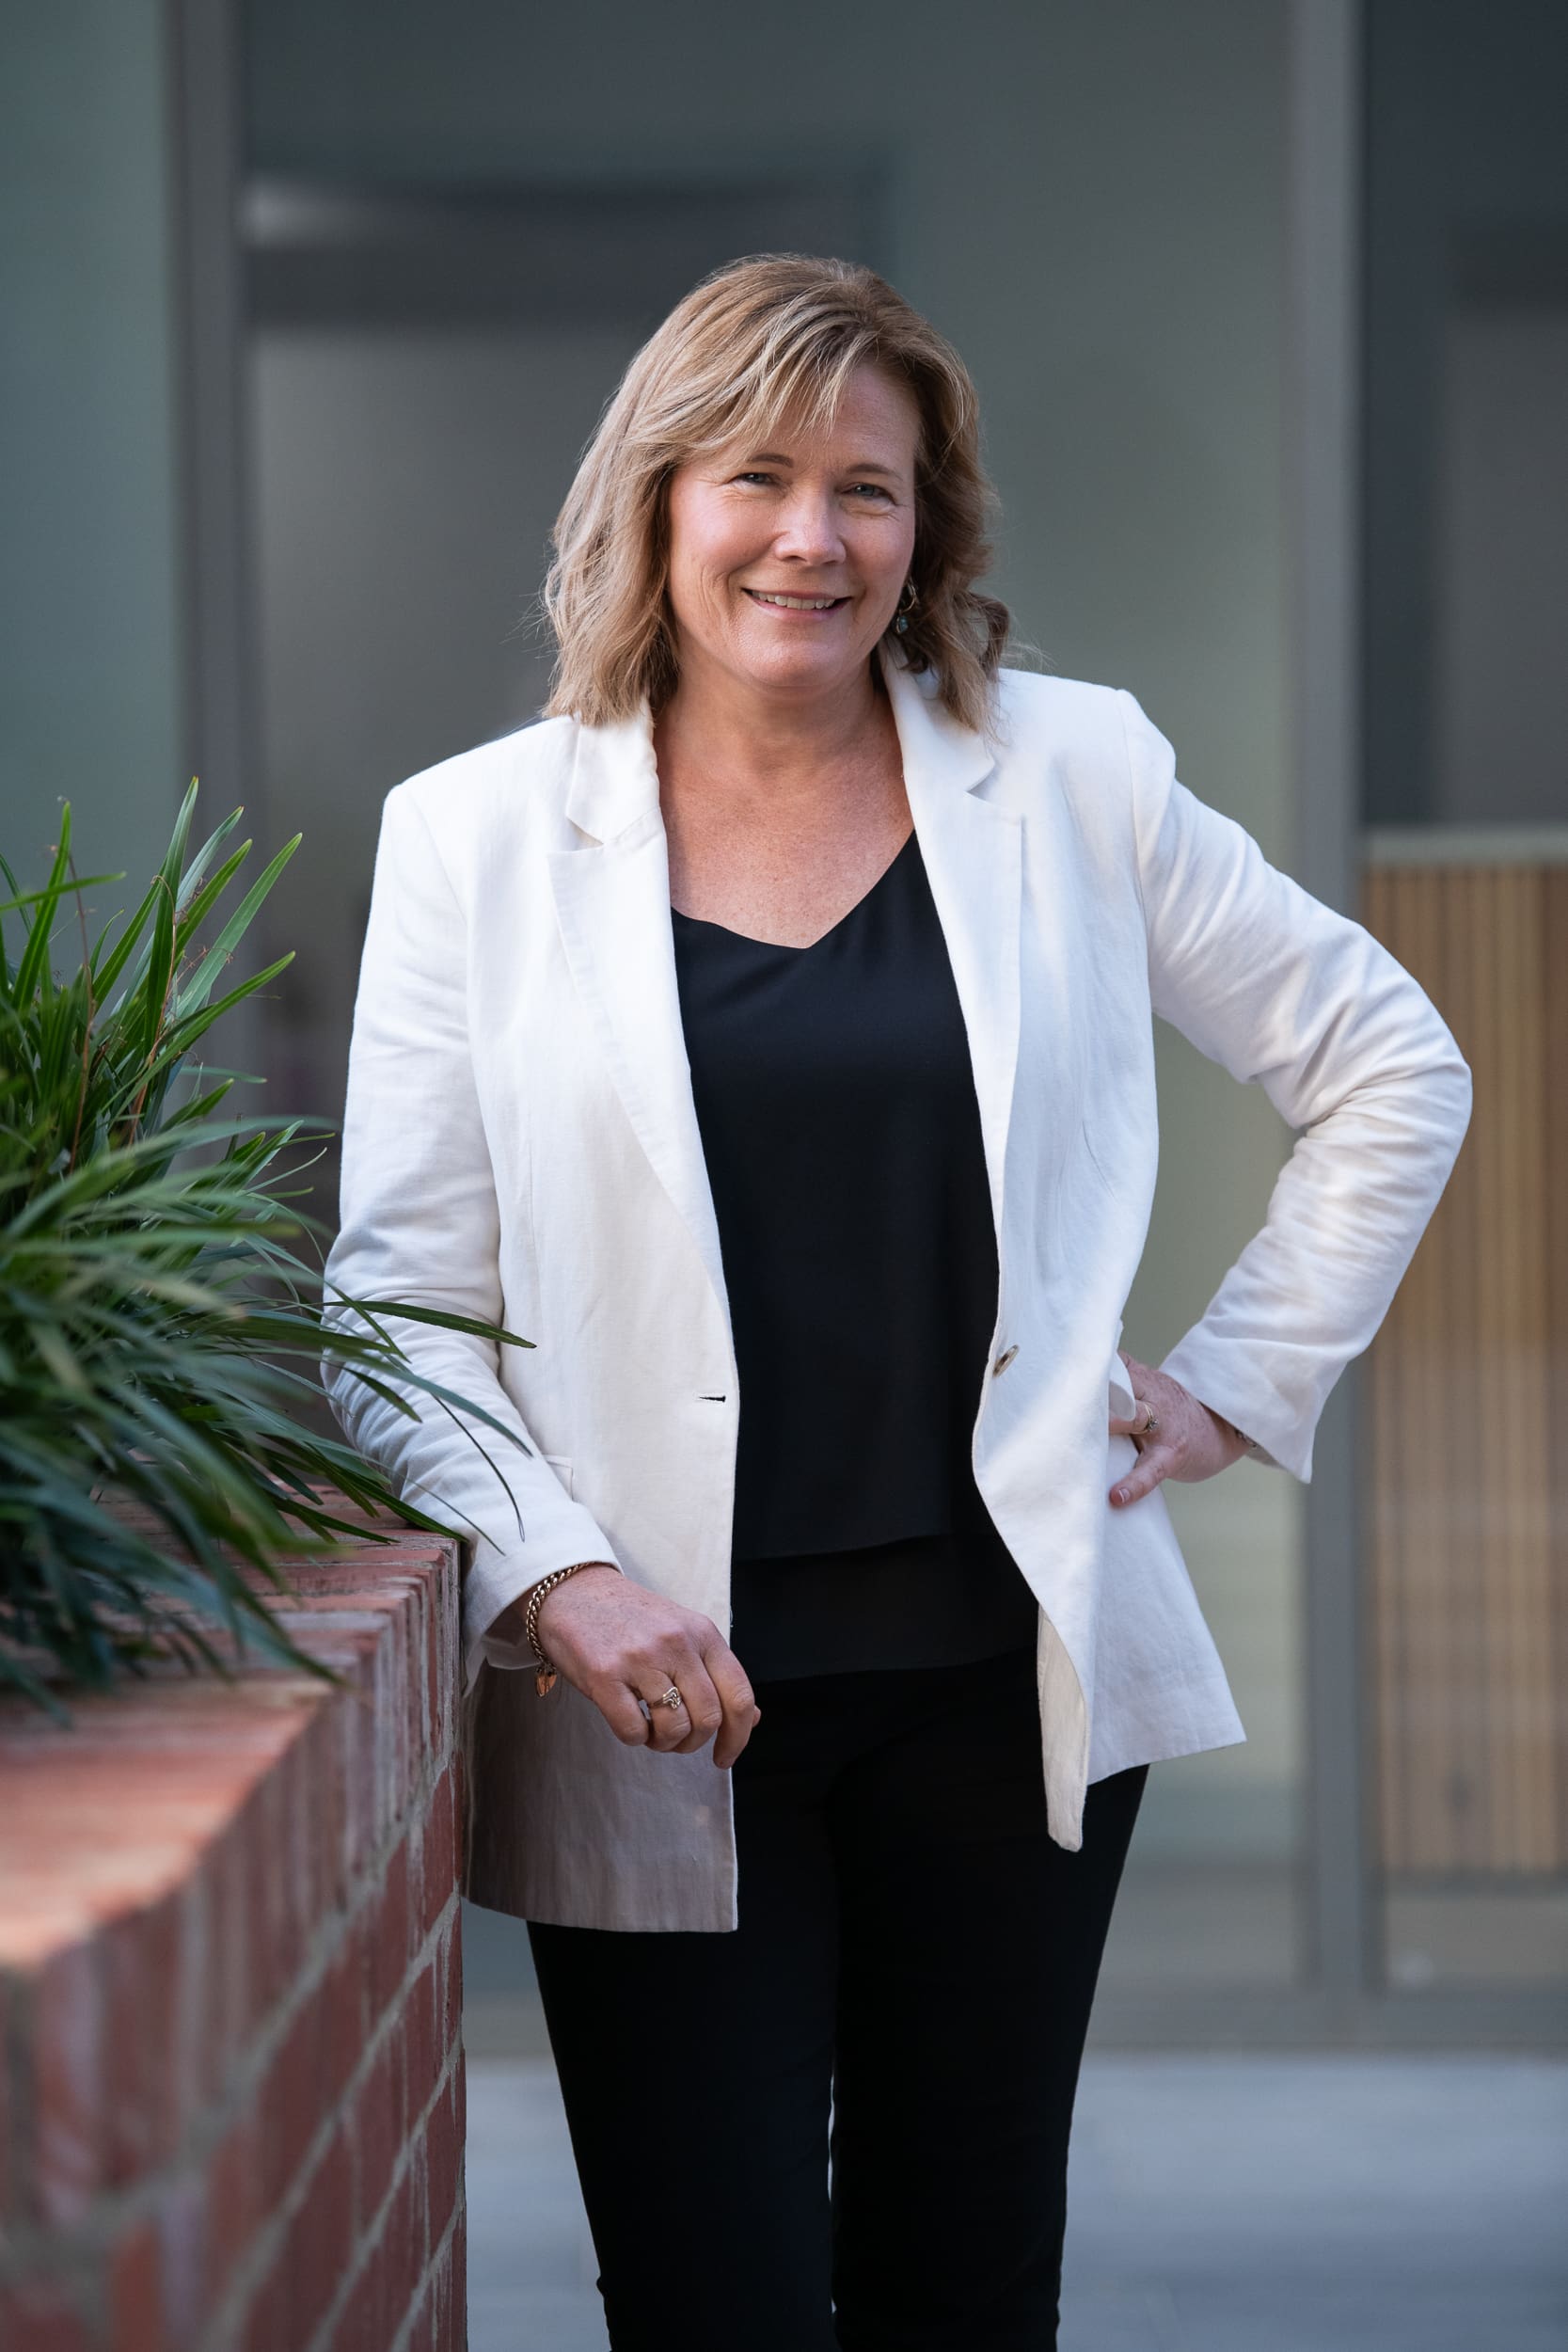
{"type": "Point", "coordinates": [230, 2067]}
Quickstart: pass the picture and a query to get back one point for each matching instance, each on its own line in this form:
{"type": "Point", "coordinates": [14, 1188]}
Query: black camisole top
{"type": "Point", "coordinates": [835, 1100]}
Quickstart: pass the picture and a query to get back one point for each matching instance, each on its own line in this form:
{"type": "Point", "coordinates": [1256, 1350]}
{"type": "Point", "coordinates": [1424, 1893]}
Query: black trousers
{"type": "Point", "coordinates": [912, 1946]}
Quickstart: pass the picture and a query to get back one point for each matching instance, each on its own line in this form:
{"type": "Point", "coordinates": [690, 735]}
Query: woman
{"type": "Point", "coordinates": [773, 1024]}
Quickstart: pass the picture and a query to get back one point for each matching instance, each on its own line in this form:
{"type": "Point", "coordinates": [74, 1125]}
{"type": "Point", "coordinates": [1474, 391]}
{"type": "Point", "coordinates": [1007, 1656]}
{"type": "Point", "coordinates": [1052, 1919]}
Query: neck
{"type": "Point", "coordinates": [718, 735]}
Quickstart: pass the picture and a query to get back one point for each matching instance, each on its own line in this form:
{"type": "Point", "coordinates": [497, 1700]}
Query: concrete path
{"type": "Point", "coordinates": [1276, 2203]}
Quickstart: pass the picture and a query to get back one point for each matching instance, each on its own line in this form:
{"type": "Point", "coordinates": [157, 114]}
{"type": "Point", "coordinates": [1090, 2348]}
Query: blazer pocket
{"type": "Point", "coordinates": [562, 1465]}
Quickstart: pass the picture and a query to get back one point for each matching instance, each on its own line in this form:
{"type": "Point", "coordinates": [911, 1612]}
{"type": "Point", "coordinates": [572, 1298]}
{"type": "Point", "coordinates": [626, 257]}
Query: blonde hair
{"type": "Point", "coordinates": [774, 332]}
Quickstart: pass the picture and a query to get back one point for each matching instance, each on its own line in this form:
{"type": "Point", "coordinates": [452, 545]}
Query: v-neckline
{"type": "Point", "coordinates": [785, 946]}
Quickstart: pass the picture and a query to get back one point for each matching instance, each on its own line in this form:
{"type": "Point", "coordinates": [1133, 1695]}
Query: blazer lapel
{"type": "Point", "coordinates": [612, 902]}
{"type": "Point", "coordinates": [972, 854]}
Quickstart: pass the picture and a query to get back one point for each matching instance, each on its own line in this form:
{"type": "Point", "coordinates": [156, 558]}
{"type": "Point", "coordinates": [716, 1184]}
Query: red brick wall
{"type": "Point", "coordinates": [230, 2067]}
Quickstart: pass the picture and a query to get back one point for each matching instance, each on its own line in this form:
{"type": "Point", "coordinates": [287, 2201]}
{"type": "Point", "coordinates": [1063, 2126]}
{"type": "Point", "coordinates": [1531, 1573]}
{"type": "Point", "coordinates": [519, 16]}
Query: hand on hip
{"type": "Point", "coordinates": [1177, 1435]}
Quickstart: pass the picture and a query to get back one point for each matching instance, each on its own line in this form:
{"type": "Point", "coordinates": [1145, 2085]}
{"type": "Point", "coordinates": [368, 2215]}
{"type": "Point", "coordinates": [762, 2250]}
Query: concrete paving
{"type": "Point", "coordinates": [1229, 2203]}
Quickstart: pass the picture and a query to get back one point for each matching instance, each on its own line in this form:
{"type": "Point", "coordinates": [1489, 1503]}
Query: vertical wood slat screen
{"type": "Point", "coordinates": [1468, 1387]}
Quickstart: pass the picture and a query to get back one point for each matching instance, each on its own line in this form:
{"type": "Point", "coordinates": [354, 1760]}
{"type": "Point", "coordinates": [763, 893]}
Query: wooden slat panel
{"type": "Point", "coordinates": [1554, 1088]}
{"type": "Point", "coordinates": [1392, 1616]}
{"type": "Point", "coordinates": [1528, 1698]}
{"type": "Point", "coordinates": [1469, 1397]}
{"type": "Point", "coordinates": [1457, 976]}
{"type": "Point", "coordinates": [1486, 1508]}
{"type": "Point", "coordinates": [1431, 1751]}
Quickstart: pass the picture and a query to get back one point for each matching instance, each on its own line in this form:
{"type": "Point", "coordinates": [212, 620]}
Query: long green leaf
{"type": "Point", "coordinates": [198, 989]}
{"type": "Point", "coordinates": [34, 966]}
{"type": "Point", "coordinates": [160, 1329]}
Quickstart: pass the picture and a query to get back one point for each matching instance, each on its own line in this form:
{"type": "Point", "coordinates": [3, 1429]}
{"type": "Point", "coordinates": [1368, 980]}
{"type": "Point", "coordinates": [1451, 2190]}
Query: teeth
{"type": "Point", "coordinates": [795, 604]}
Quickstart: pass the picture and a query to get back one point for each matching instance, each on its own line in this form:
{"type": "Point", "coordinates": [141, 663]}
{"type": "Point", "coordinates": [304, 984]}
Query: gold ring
{"type": "Point", "coordinates": [1152, 1423]}
{"type": "Point", "coordinates": [669, 1698]}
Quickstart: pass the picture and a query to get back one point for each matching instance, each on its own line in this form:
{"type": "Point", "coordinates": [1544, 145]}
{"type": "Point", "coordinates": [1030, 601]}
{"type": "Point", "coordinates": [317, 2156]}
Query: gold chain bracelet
{"type": "Point", "coordinates": [544, 1670]}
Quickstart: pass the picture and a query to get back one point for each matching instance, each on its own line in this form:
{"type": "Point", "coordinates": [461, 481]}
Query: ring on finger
{"type": "Point", "coordinates": [1150, 1423]}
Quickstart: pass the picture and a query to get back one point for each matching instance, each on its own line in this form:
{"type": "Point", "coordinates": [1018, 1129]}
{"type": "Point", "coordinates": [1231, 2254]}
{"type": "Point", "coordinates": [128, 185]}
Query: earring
{"type": "Point", "coordinates": [907, 604]}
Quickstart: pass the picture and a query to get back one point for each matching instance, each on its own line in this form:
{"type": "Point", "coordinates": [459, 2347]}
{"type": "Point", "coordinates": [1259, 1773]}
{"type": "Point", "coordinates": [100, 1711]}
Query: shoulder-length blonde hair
{"type": "Point", "coordinates": [775, 332]}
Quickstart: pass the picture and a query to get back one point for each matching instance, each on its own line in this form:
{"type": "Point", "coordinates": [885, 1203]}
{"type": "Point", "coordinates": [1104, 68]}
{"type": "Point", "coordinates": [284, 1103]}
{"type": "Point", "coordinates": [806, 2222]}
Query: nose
{"type": "Point", "coordinates": [808, 529]}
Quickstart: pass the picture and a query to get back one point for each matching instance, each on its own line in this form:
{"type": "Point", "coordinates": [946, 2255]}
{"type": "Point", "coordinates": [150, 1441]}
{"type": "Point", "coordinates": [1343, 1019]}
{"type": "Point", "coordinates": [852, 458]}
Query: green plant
{"type": "Point", "coordinates": [156, 1324]}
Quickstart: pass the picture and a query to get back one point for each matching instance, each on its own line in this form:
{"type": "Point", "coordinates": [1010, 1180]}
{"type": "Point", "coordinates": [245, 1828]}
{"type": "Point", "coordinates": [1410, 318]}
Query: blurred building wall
{"type": "Point", "coordinates": [1089, 200]}
{"type": "Point", "coordinates": [89, 684]}
{"type": "Point", "coordinates": [1150, 225]}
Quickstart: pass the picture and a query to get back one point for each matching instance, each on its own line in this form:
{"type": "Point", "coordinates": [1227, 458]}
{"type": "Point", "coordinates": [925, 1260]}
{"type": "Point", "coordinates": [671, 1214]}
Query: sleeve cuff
{"type": "Point", "coordinates": [1268, 1440]}
{"type": "Point", "coordinates": [510, 1656]}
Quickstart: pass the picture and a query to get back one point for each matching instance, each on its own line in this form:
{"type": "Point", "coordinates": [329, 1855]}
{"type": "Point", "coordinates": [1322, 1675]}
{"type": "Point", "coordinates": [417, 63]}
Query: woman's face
{"type": "Point", "coordinates": [788, 559]}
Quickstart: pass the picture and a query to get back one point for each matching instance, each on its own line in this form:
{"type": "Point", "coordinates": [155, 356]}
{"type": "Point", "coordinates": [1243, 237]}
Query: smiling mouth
{"type": "Point", "coordinates": [795, 604]}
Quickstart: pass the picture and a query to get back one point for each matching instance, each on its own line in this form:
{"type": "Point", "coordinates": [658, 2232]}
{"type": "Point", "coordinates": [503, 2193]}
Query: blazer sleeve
{"type": "Point", "coordinates": [419, 1223]}
{"type": "Point", "coordinates": [1285, 993]}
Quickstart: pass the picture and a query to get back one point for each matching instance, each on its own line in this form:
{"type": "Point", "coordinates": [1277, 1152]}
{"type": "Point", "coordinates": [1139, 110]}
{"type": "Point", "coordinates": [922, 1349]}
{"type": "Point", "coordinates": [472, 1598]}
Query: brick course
{"type": "Point", "coordinates": [230, 2057]}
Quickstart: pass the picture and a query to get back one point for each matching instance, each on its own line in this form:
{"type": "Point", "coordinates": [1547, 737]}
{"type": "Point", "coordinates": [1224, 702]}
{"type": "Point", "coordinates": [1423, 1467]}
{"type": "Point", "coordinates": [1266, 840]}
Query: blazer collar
{"type": "Point", "coordinates": [615, 777]}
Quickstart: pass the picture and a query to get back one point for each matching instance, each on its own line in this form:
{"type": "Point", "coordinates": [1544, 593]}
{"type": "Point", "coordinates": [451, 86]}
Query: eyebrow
{"type": "Point", "coordinates": [858, 464]}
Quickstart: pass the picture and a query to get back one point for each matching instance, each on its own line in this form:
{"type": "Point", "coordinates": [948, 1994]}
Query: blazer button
{"type": "Point", "coordinates": [1003, 1360]}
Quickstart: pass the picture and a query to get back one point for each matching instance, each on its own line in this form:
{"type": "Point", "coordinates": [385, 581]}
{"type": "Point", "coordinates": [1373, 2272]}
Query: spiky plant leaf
{"type": "Point", "coordinates": [159, 1327]}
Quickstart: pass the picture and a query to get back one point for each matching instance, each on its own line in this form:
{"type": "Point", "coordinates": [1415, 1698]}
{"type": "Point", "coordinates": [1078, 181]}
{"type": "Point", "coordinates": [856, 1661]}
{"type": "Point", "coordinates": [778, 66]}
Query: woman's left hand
{"type": "Point", "coordinates": [1189, 1441]}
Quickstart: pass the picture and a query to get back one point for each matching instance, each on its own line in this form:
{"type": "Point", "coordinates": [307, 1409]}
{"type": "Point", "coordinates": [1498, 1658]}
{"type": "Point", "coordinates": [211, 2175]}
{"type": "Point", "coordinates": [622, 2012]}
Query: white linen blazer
{"type": "Point", "coordinates": [520, 1144]}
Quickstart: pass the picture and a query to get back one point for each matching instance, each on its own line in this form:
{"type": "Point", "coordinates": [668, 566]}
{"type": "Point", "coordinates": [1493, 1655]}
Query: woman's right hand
{"type": "Point", "coordinates": [616, 1641]}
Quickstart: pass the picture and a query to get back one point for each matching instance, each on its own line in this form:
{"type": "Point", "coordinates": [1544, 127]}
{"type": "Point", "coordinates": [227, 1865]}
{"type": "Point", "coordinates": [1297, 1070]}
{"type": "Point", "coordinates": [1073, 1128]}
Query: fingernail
{"type": "Point", "coordinates": [1121, 1494]}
